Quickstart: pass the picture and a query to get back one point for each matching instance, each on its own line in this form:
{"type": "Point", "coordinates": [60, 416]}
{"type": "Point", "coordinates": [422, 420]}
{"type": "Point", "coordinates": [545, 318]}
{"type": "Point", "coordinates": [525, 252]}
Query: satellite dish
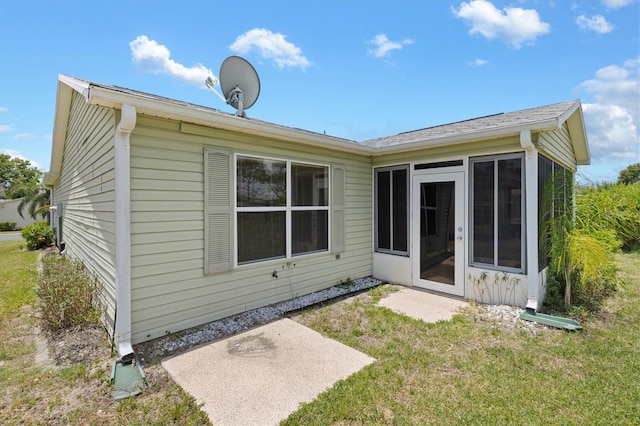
{"type": "Point", "coordinates": [239, 83]}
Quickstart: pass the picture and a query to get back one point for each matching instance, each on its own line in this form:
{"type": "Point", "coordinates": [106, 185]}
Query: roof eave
{"type": "Point", "coordinates": [502, 132]}
{"type": "Point", "coordinates": [64, 95]}
{"type": "Point", "coordinates": [578, 135]}
{"type": "Point", "coordinates": [195, 115]}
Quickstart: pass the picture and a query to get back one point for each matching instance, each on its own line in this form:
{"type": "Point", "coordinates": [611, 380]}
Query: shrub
{"type": "Point", "coordinates": [7, 226]}
{"type": "Point", "coordinates": [68, 294]}
{"type": "Point", "coordinates": [38, 235]}
{"type": "Point", "coordinates": [581, 250]}
{"type": "Point", "coordinates": [611, 208]}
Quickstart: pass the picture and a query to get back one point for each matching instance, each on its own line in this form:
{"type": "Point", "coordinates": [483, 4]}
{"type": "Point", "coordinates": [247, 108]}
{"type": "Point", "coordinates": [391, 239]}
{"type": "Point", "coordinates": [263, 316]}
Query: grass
{"type": "Point", "coordinates": [468, 372]}
{"type": "Point", "coordinates": [75, 394]}
{"type": "Point", "coordinates": [461, 371]}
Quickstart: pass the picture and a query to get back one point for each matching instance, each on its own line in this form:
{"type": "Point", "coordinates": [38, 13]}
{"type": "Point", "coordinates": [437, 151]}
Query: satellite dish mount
{"type": "Point", "coordinates": [239, 83]}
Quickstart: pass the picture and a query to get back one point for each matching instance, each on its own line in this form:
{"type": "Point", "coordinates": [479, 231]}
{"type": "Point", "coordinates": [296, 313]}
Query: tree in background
{"type": "Point", "coordinates": [630, 175]}
{"type": "Point", "coordinates": [17, 177]}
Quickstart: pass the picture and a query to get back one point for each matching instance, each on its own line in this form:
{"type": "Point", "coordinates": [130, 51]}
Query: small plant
{"type": "Point", "coordinates": [7, 226]}
{"type": "Point", "coordinates": [501, 291]}
{"type": "Point", "coordinates": [67, 294]}
{"type": "Point", "coordinates": [345, 283]}
{"type": "Point", "coordinates": [39, 235]}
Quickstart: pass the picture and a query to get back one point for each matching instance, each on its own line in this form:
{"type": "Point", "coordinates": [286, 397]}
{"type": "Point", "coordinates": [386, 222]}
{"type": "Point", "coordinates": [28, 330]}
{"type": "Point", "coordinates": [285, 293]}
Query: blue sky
{"type": "Point", "coordinates": [353, 69]}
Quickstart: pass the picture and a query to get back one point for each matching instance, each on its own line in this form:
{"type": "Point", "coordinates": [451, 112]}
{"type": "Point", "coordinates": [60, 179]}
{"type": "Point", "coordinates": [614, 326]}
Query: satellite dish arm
{"type": "Point", "coordinates": [210, 82]}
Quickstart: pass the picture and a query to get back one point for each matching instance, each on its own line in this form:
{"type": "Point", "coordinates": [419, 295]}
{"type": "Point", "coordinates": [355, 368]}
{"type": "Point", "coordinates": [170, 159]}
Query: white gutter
{"type": "Point", "coordinates": [123, 232]}
{"type": "Point", "coordinates": [204, 116]}
{"type": "Point", "coordinates": [531, 212]}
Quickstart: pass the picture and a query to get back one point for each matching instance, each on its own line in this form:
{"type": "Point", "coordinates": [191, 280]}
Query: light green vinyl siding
{"type": "Point", "coordinates": [557, 145]}
{"type": "Point", "coordinates": [170, 290]}
{"type": "Point", "coordinates": [86, 191]}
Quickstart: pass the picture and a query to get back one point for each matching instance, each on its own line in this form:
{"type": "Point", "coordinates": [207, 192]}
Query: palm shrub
{"type": "Point", "coordinates": [580, 260]}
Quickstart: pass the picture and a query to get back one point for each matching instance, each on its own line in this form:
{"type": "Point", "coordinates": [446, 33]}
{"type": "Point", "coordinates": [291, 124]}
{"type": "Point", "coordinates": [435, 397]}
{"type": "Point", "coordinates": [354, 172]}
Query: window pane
{"type": "Point", "coordinates": [383, 212]}
{"type": "Point", "coordinates": [483, 202]}
{"type": "Point", "coordinates": [309, 185]}
{"type": "Point", "coordinates": [261, 183]}
{"type": "Point", "coordinates": [261, 236]}
{"type": "Point", "coordinates": [510, 213]}
{"type": "Point", "coordinates": [545, 167]}
{"type": "Point", "coordinates": [400, 210]}
{"type": "Point", "coordinates": [310, 231]}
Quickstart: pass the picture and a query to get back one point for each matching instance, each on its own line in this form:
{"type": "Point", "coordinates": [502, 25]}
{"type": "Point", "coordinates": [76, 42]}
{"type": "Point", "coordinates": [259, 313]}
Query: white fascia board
{"type": "Point", "coordinates": [158, 108]}
{"type": "Point", "coordinates": [502, 132]}
{"type": "Point", "coordinates": [578, 134]}
{"type": "Point", "coordinates": [63, 109]}
{"type": "Point", "coordinates": [79, 86]}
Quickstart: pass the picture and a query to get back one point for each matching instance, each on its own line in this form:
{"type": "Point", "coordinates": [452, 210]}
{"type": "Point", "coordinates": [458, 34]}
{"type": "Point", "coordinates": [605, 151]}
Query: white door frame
{"type": "Point", "coordinates": [458, 177]}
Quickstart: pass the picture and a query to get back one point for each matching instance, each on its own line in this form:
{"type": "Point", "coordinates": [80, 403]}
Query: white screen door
{"type": "Point", "coordinates": [438, 232]}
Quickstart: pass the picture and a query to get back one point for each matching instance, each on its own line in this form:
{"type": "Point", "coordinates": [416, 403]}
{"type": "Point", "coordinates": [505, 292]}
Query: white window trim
{"type": "Point", "coordinates": [523, 217]}
{"type": "Point", "coordinates": [390, 169]}
{"type": "Point", "coordinates": [288, 209]}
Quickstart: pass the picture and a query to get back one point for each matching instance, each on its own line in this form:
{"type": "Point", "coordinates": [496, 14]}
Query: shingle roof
{"type": "Point", "coordinates": [527, 118]}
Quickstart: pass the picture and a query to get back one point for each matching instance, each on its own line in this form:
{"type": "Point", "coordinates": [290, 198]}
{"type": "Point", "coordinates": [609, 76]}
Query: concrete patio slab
{"type": "Point", "coordinates": [422, 305]}
{"type": "Point", "coordinates": [261, 376]}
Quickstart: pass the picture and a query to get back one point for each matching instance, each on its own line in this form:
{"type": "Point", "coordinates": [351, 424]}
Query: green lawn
{"type": "Point", "coordinates": [468, 372]}
{"type": "Point", "coordinates": [457, 372]}
{"type": "Point", "coordinates": [67, 394]}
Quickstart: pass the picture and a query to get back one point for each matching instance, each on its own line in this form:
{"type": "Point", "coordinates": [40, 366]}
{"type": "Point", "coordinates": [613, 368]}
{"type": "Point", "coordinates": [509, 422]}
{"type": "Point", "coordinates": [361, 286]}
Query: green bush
{"type": "Point", "coordinates": [7, 226]}
{"type": "Point", "coordinates": [38, 235]}
{"type": "Point", "coordinates": [611, 208]}
{"type": "Point", "coordinates": [68, 294]}
{"type": "Point", "coordinates": [581, 246]}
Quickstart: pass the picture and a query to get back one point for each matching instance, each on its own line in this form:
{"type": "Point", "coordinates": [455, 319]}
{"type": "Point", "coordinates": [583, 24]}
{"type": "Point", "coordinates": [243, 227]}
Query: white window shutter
{"type": "Point", "coordinates": [337, 209]}
{"type": "Point", "coordinates": [218, 210]}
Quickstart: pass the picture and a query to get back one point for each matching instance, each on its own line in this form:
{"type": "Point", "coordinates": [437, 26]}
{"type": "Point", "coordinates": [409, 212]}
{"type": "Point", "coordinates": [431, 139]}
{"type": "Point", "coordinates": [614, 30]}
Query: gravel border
{"type": "Point", "coordinates": [178, 342]}
{"type": "Point", "coordinates": [154, 350]}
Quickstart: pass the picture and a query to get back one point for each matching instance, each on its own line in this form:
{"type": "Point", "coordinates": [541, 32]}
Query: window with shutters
{"type": "Point", "coordinates": [282, 209]}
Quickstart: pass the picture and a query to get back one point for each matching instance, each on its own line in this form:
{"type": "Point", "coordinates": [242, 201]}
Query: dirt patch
{"type": "Point", "coordinates": [64, 377]}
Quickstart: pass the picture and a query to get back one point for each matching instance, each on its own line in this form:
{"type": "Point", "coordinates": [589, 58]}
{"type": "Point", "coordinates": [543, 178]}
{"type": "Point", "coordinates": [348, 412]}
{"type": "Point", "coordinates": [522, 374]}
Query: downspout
{"type": "Point", "coordinates": [123, 233]}
{"type": "Point", "coordinates": [531, 217]}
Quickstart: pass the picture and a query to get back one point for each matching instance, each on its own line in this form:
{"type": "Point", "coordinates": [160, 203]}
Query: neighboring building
{"type": "Point", "coordinates": [9, 213]}
{"type": "Point", "coordinates": [188, 214]}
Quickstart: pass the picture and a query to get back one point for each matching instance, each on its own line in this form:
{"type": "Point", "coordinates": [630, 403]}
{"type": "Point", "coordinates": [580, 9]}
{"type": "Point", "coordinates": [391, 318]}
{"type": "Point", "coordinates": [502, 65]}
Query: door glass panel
{"type": "Point", "coordinates": [437, 232]}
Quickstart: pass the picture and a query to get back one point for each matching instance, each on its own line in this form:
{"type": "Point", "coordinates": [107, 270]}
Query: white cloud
{"type": "Point", "coordinates": [617, 85]}
{"type": "Point", "coordinates": [382, 45]}
{"type": "Point", "coordinates": [4, 109]}
{"type": "Point", "coordinates": [156, 58]}
{"type": "Point", "coordinates": [271, 46]}
{"type": "Point", "coordinates": [615, 4]}
{"type": "Point", "coordinates": [513, 25]}
{"type": "Point", "coordinates": [5, 128]}
{"type": "Point", "coordinates": [611, 132]}
{"type": "Point", "coordinates": [23, 137]}
{"type": "Point", "coordinates": [613, 120]}
{"type": "Point", "coordinates": [596, 23]}
{"type": "Point", "coordinates": [478, 62]}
